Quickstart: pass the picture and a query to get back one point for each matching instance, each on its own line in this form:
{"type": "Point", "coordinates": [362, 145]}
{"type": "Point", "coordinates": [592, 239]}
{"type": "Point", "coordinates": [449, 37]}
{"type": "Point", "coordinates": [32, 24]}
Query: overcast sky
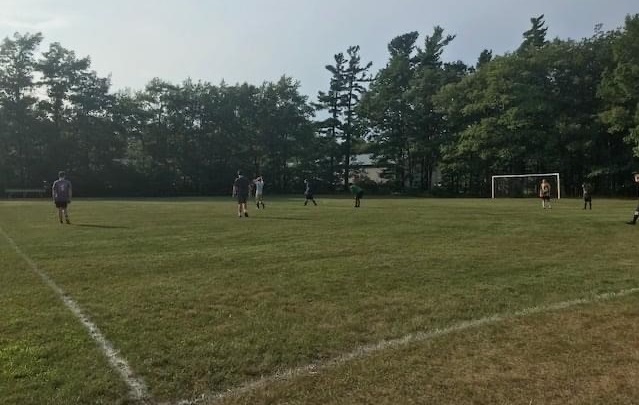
{"type": "Point", "coordinates": [258, 40]}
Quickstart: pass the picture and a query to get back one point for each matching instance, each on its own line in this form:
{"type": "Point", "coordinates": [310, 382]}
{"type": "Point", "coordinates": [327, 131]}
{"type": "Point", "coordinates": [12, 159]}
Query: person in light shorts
{"type": "Point", "coordinates": [259, 191]}
{"type": "Point", "coordinates": [544, 193]}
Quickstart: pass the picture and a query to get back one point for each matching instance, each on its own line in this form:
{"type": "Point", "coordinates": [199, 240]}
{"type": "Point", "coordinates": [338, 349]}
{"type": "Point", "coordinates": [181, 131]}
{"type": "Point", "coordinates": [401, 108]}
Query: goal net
{"type": "Point", "coordinates": [524, 185]}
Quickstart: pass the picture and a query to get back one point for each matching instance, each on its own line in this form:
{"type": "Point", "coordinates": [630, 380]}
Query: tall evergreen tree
{"type": "Point", "coordinates": [61, 71]}
{"type": "Point", "coordinates": [354, 77]}
{"type": "Point", "coordinates": [388, 112]}
{"type": "Point", "coordinates": [332, 102]}
{"type": "Point", "coordinates": [485, 57]}
{"type": "Point", "coordinates": [535, 37]}
{"type": "Point", "coordinates": [341, 102]}
{"type": "Point", "coordinates": [18, 129]}
{"type": "Point", "coordinates": [620, 85]}
{"type": "Point", "coordinates": [430, 76]}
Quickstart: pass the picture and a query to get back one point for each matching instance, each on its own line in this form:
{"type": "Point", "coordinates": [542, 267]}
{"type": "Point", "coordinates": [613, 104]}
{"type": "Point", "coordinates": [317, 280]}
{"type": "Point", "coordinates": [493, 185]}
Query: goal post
{"type": "Point", "coordinates": [531, 175]}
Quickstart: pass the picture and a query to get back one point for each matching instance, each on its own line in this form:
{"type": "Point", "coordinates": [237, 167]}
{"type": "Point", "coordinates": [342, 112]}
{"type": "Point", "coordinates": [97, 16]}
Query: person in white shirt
{"type": "Point", "coordinates": [259, 190]}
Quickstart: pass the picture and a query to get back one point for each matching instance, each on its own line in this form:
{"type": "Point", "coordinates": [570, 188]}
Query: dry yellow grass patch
{"type": "Point", "coordinates": [583, 355]}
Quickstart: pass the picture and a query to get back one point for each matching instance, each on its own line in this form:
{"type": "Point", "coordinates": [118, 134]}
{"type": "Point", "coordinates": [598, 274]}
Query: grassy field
{"type": "Point", "coordinates": [209, 308]}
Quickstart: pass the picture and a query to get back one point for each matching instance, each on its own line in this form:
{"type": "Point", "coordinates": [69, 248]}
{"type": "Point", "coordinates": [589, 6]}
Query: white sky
{"type": "Point", "coordinates": [258, 40]}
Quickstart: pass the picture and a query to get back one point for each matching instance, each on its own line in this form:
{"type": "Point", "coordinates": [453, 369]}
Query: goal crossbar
{"type": "Point", "coordinates": [501, 176]}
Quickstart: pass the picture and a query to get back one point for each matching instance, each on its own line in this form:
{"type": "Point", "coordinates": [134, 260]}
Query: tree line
{"type": "Point", "coordinates": [560, 105]}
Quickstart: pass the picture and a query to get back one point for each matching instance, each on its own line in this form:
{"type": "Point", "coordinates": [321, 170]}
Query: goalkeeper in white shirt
{"type": "Point", "coordinates": [259, 190]}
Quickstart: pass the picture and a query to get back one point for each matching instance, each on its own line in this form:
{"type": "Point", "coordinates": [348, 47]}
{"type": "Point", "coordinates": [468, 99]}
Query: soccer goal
{"type": "Point", "coordinates": [524, 185]}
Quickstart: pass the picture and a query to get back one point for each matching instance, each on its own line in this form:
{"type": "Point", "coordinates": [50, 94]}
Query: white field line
{"type": "Point", "coordinates": [364, 351]}
{"type": "Point", "coordinates": [137, 388]}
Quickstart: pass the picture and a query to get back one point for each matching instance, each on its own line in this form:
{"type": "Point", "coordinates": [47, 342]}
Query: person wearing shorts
{"type": "Point", "coordinates": [61, 192]}
{"type": "Point", "coordinates": [241, 192]}
{"type": "Point", "coordinates": [544, 194]}
{"type": "Point", "coordinates": [587, 193]}
{"type": "Point", "coordinates": [358, 193]}
{"type": "Point", "coordinates": [308, 193]}
{"type": "Point", "coordinates": [259, 190]}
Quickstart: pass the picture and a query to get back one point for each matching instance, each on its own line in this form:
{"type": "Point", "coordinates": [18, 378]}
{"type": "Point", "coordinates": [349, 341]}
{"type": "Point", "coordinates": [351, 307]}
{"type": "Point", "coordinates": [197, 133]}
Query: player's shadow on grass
{"type": "Point", "coordinates": [102, 226]}
{"type": "Point", "coordinates": [281, 218]}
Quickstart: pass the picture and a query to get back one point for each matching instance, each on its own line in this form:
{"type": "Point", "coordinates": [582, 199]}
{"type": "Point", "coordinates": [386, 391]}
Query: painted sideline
{"type": "Point", "coordinates": [417, 337]}
{"type": "Point", "coordinates": [137, 388]}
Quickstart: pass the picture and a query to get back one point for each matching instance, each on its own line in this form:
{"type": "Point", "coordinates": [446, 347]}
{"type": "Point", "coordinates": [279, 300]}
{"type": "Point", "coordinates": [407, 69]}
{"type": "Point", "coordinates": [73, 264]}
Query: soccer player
{"type": "Point", "coordinates": [241, 191]}
{"type": "Point", "coordinates": [636, 216]}
{"type": "Point", "coordinates": [544, 193]}
{"type": "Point", "coordinates": [259, 190]}
{"type": "Point", "coordinates": [251, 189]}
{"type": "Point", "coordinates": [587, 189]}
{"type": "Point", "coordinates": [358, 193]}
{"type": "Point", "coordinates": [61, 193]}
{"type": "Point", "coordinates": [308, 193]}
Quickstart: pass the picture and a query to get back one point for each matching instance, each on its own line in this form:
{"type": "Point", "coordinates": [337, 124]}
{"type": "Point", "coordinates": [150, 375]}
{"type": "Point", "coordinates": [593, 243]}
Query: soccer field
{"type": "Point", "coordinates": [422, 301]}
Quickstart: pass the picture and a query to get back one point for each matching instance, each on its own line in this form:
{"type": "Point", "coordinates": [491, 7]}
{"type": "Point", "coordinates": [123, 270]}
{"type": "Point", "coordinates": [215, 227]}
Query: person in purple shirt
{"type": "Point", "coordinates": [61, 193]}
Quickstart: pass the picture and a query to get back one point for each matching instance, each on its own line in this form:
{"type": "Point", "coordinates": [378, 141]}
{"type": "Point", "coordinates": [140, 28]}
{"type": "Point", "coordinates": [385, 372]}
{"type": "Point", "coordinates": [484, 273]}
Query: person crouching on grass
{"type": "Point", "coordinates": [636, 215]}
{"type": "Point", "coordinates": [241, 191]}
{"type": "Point", "coordinates": [61, 193]}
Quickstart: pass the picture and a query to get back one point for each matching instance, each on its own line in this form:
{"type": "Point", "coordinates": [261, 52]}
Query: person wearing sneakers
{"type": "Point", "coordinates": [61, 193]}
{"type": "Point", "coordinates": [241, 191]}
{"type": "Point", "coordinates": [587, 194]}
{"type": "Point", "coordinates": [358, 193]}
{"type": "Point", "coordinates": [259, 189]}
{"type": "Point", "coordinates": [544, 193]}
{"type": "Point", "coordinates": [636, 215]}
{"type": "Point", "coordinates": [308, 192]}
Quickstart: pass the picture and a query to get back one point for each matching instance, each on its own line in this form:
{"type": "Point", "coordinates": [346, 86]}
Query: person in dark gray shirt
{"type": "Point", "coordinates": [241, 191]}
{"type": "Point", "coordinates": [308, 193]}
{"type": "Point", "coordinates": [587, 193]}
{"type": "Point", "coordinates": [61, 192]}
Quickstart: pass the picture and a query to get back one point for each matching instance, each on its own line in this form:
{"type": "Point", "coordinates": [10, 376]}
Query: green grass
{"type": "Point", "coordinates": [199, 301]}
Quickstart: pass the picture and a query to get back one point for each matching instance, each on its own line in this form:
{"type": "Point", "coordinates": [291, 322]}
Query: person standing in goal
{"type": "Point", "coordinates": [544, 194]}
{"type": "Point", "coordinates": [636, 215]}
{"type": "Point", "coordinates": [61, 193]}
{"type": "Point", "coordinates": [259, 189]}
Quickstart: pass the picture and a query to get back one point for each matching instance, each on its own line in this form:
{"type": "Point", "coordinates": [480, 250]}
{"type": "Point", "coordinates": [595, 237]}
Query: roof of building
{"type": "Point", "coordinates": [364, 159]}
